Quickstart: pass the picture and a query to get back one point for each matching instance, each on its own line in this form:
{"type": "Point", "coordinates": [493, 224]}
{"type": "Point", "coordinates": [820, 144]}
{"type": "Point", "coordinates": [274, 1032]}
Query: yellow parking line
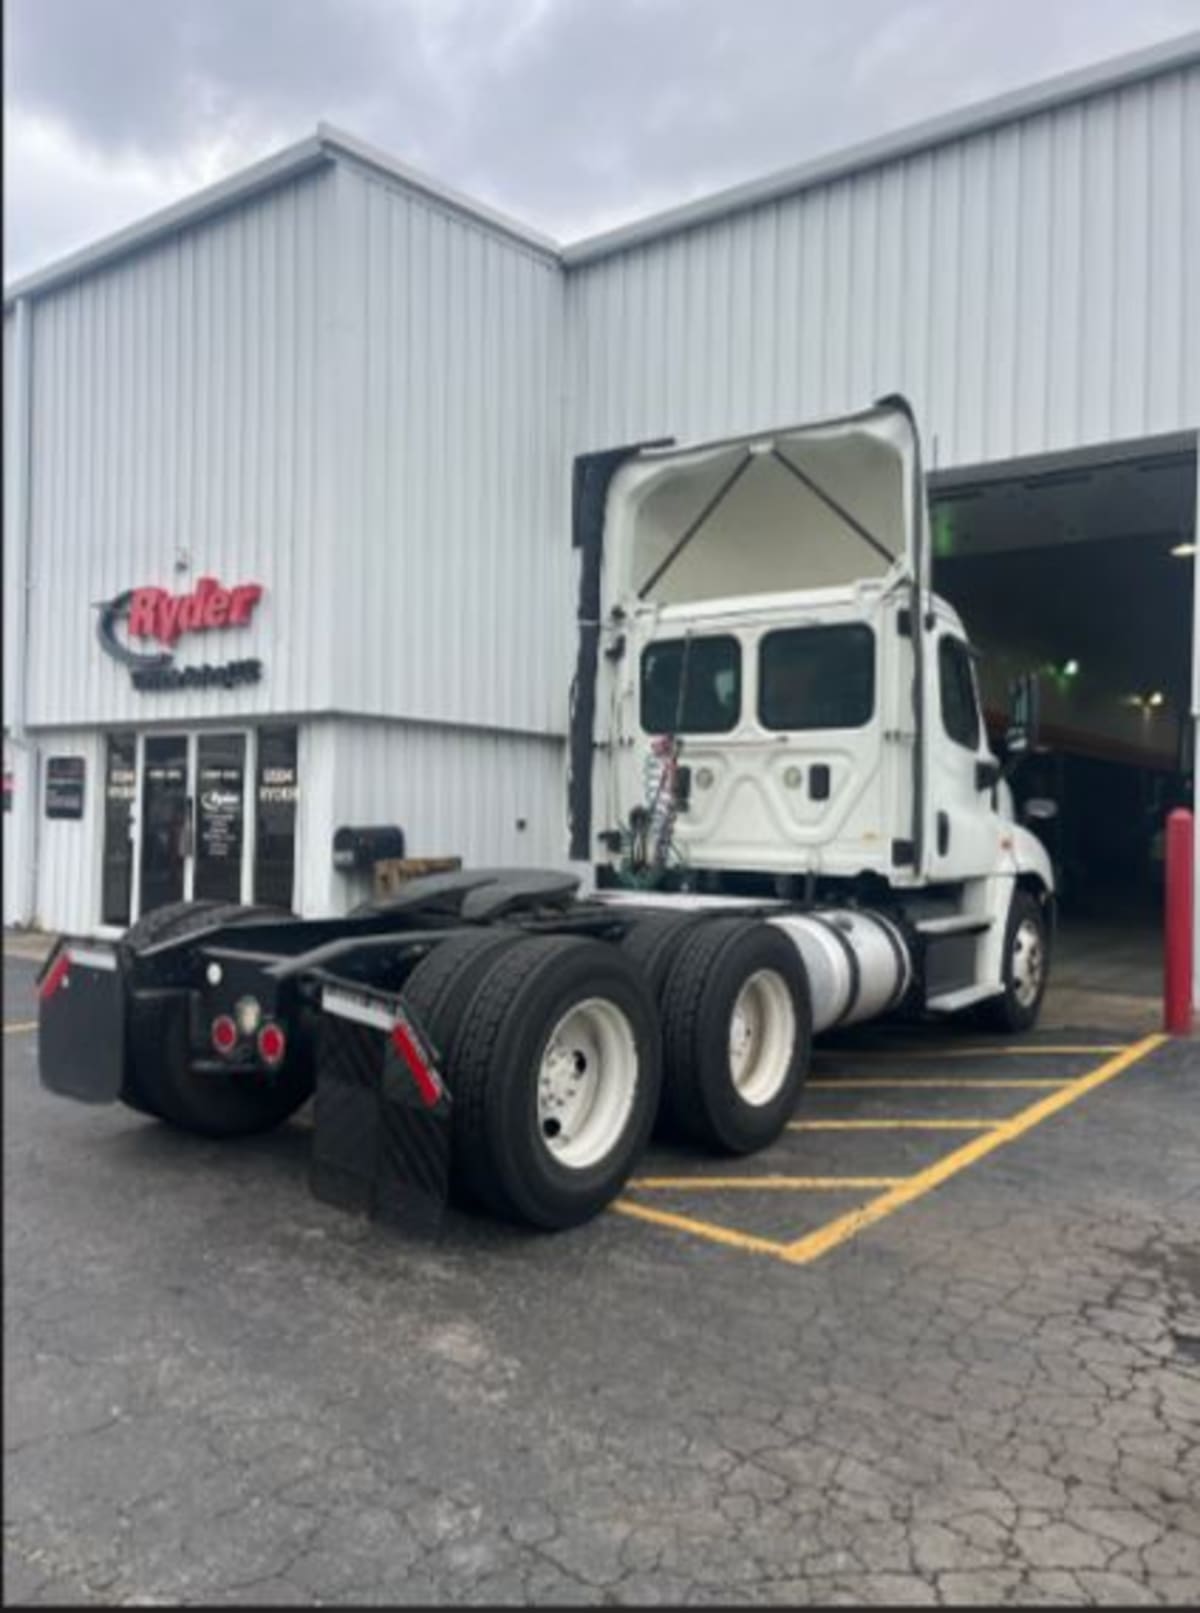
{"type": "Point", "coordinates": [12, 1027]}
{"type": "Point", "coordinates": [892, 1125]}
{"type": "Point", "coordinates": [858, 1083]}
{"type": "Point", "coordinates": [920, 1055]}
{"type": "Point", "coordinates": [814, 1184]}
{"type": "Point", "coordinates": [700, 1229]}
{"type": "Point", "coordinates": [818, 1243]}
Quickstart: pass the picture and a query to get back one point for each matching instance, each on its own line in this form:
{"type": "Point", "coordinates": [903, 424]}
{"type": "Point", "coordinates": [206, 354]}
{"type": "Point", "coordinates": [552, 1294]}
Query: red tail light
{"type": "Point", "coordinates": [224, 1034]}
{"type": "Point", "coordinates": [272, 1044]}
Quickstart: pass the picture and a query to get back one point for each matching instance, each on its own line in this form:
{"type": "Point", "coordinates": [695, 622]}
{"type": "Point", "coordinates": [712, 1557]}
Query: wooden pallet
{"type": "Point", "coordinates": [392, 872]}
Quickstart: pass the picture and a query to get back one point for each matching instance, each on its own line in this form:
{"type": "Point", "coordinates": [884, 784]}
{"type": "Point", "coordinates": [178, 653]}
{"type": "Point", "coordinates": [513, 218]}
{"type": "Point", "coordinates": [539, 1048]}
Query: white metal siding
{"type": "Point", "coordinates": [69, 850]}
{"type": "Point", "coordinates": [454, 791]}
{"type": "Point", "coordinates": [453, 564]}
{"type": "Point", "coordinates": [12, 618]}
{"type": "Point", "coordinates": [1029, 288]}
{"type": "Point", "coordinates": [180, 402]}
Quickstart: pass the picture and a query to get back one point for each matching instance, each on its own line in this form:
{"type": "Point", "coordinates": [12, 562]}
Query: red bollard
{"type": "Point", "coordinates": [1177, 953]}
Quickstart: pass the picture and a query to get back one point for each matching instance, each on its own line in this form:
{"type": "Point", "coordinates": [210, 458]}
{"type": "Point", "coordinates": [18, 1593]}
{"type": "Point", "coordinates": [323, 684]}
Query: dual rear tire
{"type": "Point", "coordinates": [736, 1034]}
{"type": "Point", "coordinates": [550, 1048]}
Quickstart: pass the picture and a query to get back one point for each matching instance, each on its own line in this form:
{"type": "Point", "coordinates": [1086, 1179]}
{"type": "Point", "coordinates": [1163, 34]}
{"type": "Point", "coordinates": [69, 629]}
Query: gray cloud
{"type": "Point", "coordinates": [571, 114]}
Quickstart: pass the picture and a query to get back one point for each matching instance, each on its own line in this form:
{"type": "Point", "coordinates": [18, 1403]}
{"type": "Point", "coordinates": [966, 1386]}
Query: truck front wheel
{"type": "Point", "coordinates": [1025, 970]}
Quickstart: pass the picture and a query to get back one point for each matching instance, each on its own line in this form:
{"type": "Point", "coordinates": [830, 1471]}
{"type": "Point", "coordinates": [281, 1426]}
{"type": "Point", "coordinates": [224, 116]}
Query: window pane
{"type": "Point", "coordinates": [220, 809]}
{"type": "Point", "coordinates": [120, 780]}
{"type": "Point", "coordinates": [712, 700]}
{"type": "Point", "coordinates": [275, 807]}
{"type": "Point", "coordinates": [817, 677]}
{"type": "Point", "coordinates": [960, 712]}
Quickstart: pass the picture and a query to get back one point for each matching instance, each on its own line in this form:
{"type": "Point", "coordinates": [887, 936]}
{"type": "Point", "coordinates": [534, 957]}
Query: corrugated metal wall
{"type": "Point", "coordinates": [454, 590]}
{"type": "Point", "coordinates": [454, 791]}
{"type": "Point", "coordinates": [12, 615]}
{"type": "Point", "coordinates": [1031, 288]}
{"type": "Point", "coordinates": [181, 403]}
{"type": "Point", "coordinates": [69, 850]}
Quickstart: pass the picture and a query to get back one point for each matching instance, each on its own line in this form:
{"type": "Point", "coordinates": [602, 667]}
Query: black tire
{"type": "Point", "coordinates": [495, 1067]}
{"type": "Point", "coordinates": [159, 1080]}
{"type": "Point", "coordinates": [651, 944]}
{"type": "Point", "coordinates": [163, 1083]}
{"type": "Point", "coordinates": [441, 986]}
{"type": "Point", "coordinates": [179, 919]}
{"type": "Point", "coordinates": [1014, 1011]}
{"type": "Point", "coordinates": [701, 1101]}
{"type": "Point", "coordinates": [438, 992]}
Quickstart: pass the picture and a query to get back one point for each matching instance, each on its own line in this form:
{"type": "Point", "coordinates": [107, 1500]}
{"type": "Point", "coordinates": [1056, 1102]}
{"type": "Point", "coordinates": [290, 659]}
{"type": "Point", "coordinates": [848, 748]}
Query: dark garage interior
{"type": "Point", "coordinates": [1081, 569]}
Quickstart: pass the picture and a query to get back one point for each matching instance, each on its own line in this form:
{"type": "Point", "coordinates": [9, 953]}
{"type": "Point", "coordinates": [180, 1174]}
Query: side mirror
{"type": "Point", "coordinates": [1024, 704]}
{"type": "Point", "coordinates": [987, 774]}
{"type": "Point", "coordinates": [1039, 809]}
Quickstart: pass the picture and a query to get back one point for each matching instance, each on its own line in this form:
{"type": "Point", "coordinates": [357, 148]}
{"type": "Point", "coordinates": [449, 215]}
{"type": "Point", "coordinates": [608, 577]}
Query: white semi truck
{"type": "Point", "coordinates": [781, 782]}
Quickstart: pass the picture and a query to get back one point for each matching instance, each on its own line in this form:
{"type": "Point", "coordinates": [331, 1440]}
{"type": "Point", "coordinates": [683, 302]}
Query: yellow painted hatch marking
{"type": "Point", "coordinates": [809, 1184]}
{"type": "Point", "coordinates": [919, 1056]}
{"type": "Point", "coordinates": [902, 1190]}
{"type": "Point", "coordinates": [892, 1125]}
{"type": "Point", "coordinates": [863, 1083]}
{"type": "Point", "coordinates": [700, 1229]}
{"type": "Point", "coordinates": [818, 1243]}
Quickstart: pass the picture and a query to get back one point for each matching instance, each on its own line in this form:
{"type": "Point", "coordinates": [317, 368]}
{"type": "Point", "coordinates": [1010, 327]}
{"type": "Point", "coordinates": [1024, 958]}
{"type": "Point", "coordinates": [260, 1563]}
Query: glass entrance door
{"type": "Point", "coordinates": [120, 792]}
{"type": "Point", "coordinates": [165, 827]}
{"type": "Point", "coordinates": [220, 816]}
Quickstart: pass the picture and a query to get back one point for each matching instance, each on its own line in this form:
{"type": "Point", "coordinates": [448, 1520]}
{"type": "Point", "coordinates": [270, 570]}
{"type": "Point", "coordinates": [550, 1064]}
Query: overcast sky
{"type": "Point", "coordinates": [572, 115]}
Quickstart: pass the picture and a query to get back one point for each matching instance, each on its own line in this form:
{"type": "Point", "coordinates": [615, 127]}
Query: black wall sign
{"type": "Point", "coordinates": [64, 786]}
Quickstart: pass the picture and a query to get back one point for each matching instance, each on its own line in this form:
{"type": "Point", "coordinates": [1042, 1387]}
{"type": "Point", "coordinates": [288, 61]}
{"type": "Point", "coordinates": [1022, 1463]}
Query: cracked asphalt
{"type": "Point", "coordinates": [219, 1390]}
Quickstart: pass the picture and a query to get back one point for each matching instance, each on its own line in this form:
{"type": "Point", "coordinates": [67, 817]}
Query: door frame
{"type": "Point", "coordinates": [192, 737]}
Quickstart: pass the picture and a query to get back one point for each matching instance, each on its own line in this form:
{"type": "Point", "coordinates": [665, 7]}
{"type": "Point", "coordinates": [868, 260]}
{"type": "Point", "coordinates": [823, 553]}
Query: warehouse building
{"type": "Point", "coordinates": [287, 480]}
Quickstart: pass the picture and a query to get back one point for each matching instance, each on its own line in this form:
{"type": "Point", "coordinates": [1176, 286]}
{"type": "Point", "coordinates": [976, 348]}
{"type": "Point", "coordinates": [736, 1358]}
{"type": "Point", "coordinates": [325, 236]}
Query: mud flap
{"type": "Point", "coordinates": [81, 1021]}
{"type": "Point", "coordinates": [381, 1134]}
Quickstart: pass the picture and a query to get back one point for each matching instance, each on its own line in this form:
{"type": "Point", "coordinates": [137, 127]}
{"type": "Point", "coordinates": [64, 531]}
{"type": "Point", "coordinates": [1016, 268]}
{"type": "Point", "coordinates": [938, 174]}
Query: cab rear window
{"type": "Point", "coordinates": [816, 677]}
{"type": "Point", "coordinates": [691, 686]}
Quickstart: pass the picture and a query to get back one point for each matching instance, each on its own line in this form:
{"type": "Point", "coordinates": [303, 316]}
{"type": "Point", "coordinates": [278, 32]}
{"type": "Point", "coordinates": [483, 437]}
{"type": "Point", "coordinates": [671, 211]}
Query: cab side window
{"type": "Point", "coordinates": [960, 709]}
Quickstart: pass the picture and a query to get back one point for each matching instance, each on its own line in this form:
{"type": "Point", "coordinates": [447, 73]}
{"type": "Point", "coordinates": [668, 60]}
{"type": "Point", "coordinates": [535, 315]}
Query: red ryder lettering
{"type": "Point", "coordinates": [155, 613]}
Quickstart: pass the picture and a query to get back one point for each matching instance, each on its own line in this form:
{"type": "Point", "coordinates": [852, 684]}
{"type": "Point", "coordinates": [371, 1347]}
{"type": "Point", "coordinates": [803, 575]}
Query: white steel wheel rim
{"type": "Point", "coordinates": [762, 1037]}
{"type": "Point", "coordinates": [1028, 963]}
{"type": "Point", "coordinates": [587, 1083]}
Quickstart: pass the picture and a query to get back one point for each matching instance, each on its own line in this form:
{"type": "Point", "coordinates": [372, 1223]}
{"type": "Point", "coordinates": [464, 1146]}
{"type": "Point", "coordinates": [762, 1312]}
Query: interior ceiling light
{"type": "Point", "coordinates": [1156, 698]}
{"type": "Point", "coordinates": [1070, 668]}
{"type": "Point", "coordinates": [1184, 551]}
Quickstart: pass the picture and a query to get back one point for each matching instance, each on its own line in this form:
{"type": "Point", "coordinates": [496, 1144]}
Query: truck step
{"type": "Point", "coordinates": [955, 924]}
{"type": "Point", "coordinates": [949, 1002]}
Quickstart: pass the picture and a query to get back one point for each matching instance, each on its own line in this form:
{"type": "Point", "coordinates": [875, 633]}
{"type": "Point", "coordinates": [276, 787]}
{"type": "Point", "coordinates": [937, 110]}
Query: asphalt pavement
{"type": "Point", "coordinates": [945, 1349]}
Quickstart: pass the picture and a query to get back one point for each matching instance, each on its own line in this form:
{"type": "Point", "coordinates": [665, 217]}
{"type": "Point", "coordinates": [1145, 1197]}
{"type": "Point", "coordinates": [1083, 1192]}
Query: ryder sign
{"type": "Point", "coordinates": [155, 616]}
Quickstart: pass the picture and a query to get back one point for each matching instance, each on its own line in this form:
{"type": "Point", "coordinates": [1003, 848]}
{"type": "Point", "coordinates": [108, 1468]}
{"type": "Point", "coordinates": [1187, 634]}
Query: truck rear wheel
{"type": "Point", "coordinates": [652, 942]}
{"type": "Point", "coordinates": [159, 1079]}
{"type": "Point", "coordinates": [737, 1032]}
{"type": "Point", "coordinates": [162, 1082]}
{"type": "Point", "coordinates": [555, 1075]}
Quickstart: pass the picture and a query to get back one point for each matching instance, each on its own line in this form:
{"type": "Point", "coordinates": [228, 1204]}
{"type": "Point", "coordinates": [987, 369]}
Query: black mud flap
{"type": "Point", "coordinates": [381, 1135]}
{"type": "Point", "coordinates": [81, 1021]}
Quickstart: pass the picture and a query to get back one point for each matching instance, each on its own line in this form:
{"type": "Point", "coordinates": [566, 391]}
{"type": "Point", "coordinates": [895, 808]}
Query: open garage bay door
{"type": "Point", "coordinates": [1081, 567]}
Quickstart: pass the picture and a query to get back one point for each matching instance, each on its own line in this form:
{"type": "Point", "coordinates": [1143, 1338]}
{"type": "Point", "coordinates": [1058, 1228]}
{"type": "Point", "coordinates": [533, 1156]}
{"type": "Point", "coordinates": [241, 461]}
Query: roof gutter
{"type": "Point", "coordinates": [1174, 55]}
{"type": "Point", "coordinates": [284, 165]}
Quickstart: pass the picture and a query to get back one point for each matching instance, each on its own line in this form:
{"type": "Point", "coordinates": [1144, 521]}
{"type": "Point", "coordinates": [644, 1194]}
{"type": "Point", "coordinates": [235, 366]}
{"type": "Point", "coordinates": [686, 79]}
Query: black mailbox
{"type": "Point", "coordinates": [358, 850]}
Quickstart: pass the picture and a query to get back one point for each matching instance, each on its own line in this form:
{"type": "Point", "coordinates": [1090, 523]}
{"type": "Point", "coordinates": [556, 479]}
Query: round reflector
{"type": "Point", "coordinates": [272, 1044]}
{"type": "Point", "coordinates": [224, 1034]}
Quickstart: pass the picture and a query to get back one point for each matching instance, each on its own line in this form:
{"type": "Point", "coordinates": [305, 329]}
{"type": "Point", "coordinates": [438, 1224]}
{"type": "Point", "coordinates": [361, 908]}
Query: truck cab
{"type": "Point", "coordinates": [781, 706]}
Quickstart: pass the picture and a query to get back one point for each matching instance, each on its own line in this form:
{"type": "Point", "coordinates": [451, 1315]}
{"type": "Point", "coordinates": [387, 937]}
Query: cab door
{"type": "Point", "coordinates": [964, 823]}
